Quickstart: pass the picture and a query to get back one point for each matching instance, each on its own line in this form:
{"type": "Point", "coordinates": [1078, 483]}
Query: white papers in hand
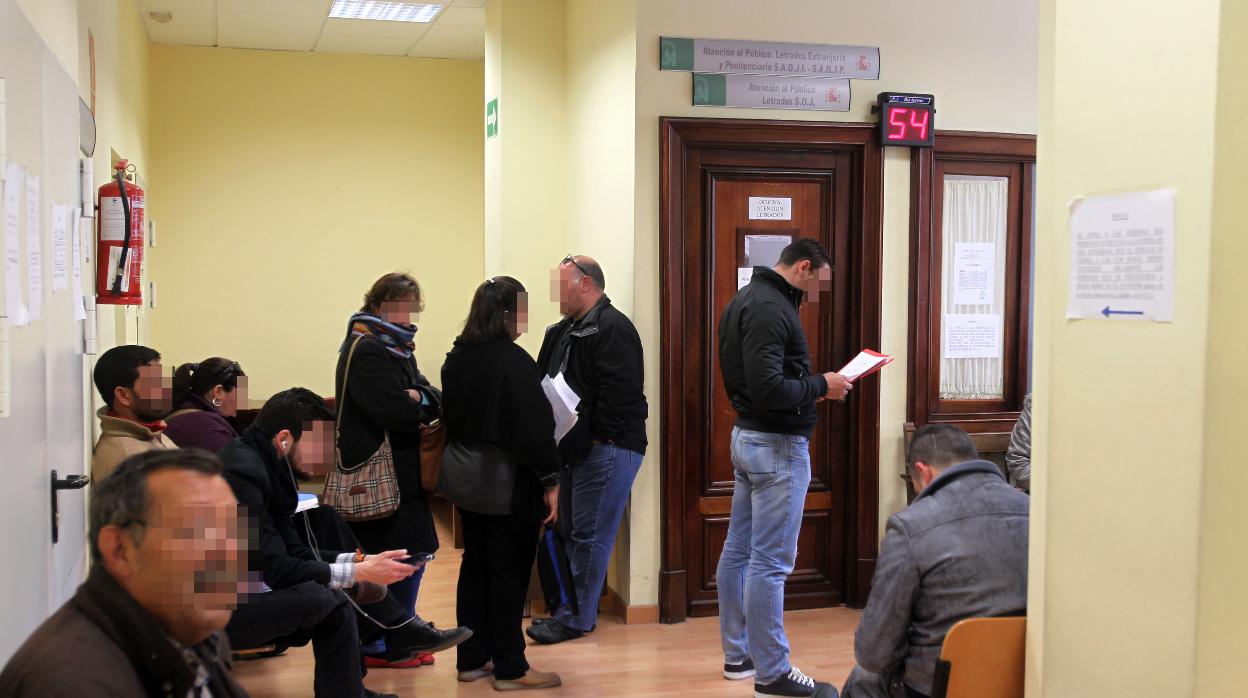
{"type": "Point", "coordinates": [866, 362]}
{"type": "Point", "coordinates": [563, 403]}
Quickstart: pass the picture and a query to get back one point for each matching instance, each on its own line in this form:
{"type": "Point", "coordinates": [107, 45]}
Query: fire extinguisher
{"type": "Point", "coordinates": [119, 241]}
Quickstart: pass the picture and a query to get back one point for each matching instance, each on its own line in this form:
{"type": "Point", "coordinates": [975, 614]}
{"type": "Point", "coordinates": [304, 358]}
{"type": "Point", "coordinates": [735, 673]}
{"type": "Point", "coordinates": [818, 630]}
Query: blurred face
{"type": "Point", "coordinates": [569, 287]}
{"type": "Point", "coordinates": [313, 453]}
{"type": "Point", "coordinates": [228, 401]}
{"type": "Point", "coordinates": [403, 311]}
{"type": "Point", "coordinates": [521, 323]}
{"type": "Point", "coordinates": [817, 283]}
{"type": "Point", "coordinates": [185, 570]}
{"type": "Point", "coordinates": [149, 399]}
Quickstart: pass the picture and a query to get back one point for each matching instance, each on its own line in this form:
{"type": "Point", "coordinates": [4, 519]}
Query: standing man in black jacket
{"type": "Point", "coordinates": [765, 363]}
{"type": "Point", "coordinates": [598, 351]}
{"type": "Point", "coordinates": [299, 596]}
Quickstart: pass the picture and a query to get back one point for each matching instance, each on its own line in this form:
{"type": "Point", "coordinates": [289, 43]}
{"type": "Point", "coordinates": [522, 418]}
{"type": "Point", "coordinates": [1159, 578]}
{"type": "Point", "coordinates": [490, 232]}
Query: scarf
{"type": "Point", "coordinates": [155, 427]}
{"type": "Point", "coordinates": [396, 338]}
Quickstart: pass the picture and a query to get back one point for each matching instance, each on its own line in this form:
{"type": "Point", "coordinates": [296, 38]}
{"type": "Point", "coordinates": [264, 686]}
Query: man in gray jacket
{"type": "Point", "coordinates": [958, 551]}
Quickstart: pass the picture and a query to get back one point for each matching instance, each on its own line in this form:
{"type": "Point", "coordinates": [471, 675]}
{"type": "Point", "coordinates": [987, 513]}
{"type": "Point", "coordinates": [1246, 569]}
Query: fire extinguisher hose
{"type": "Point", "coordinates": [125, 247]}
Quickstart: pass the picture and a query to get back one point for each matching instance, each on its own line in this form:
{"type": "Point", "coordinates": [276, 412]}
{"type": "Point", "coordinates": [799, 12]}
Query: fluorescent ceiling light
{"type": "Point", "coordinates": [384, 11]}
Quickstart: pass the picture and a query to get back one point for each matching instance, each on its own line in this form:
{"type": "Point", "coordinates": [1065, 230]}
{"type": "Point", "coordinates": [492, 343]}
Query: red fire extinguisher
{"type": "Point", "coordinates": [119, 241]}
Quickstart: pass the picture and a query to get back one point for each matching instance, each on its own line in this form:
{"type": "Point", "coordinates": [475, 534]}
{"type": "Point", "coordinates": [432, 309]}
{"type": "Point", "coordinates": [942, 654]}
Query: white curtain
{"type": "Point", "coordinates": [975, 211]}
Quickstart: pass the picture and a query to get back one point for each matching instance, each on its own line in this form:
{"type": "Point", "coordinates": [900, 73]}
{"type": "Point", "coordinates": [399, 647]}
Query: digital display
{"type": "Point", "coordinates": [907, 119]}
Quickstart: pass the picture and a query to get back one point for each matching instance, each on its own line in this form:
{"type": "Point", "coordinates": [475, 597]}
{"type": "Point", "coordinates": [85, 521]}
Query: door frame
{"type": "Point", "coordinates": [676, 136]}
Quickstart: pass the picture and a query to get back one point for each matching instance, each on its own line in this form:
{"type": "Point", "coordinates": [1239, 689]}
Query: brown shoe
{"type": "Point", "coordinates": [531, 680]}
{"type": "Point", "coordinates": [481, 672]}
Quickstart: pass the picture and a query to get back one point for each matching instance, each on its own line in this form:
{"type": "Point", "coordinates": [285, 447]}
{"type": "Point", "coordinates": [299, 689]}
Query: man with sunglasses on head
{"type": "Point", "coordinates": [137, 396]}
{"type": "Point", "coordinates": [597, 350]}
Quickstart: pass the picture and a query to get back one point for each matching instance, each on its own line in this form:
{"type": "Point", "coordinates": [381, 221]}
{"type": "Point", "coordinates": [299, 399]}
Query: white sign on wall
{"type": "Point", "coordinates": [771, 208]}
{"type": "Point", "coordinates": [1122, 257]}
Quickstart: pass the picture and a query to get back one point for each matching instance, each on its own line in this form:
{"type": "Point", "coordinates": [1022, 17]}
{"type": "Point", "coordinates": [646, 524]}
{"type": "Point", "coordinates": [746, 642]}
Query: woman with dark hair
{"type": "Point", "coordinates": [387, 399]}
{"type": "Point", "coordinates": [502, 470]}
{"type": "Point", "coordinates": [204, 395]}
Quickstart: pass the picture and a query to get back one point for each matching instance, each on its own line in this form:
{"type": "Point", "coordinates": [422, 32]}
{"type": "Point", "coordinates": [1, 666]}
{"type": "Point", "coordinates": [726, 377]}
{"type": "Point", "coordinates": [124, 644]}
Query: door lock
{"type": "Point", "coordinates": [73, 482]}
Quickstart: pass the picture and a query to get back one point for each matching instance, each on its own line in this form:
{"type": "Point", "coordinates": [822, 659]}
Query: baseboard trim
{"type": "Point", "coordinates": [631, 615]}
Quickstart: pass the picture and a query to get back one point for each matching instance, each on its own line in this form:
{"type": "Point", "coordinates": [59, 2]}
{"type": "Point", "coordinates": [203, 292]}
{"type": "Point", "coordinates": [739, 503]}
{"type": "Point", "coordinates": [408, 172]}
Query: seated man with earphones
{"type": "Point", "coordinates": [296, 592]}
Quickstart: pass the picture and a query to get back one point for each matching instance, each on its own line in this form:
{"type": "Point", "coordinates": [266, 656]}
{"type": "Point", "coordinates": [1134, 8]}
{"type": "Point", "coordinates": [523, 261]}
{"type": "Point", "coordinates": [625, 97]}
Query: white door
{"type": "Point", "coordinates": [46, 424]}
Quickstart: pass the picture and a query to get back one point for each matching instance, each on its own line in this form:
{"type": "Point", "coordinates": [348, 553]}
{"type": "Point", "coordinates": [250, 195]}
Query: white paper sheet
{"type": "Point", "coordinates": [14, 187]}
{"type": "Point", "coordinates": [80, 309]}
{"type": "Point", "coordinates": [60, 247]}
{"type": "Point", "coordinates": [1122, 257]}
{"type": "Point", "coordinates": [972, 336]}
{"type": "Point", "coordinates": [974, 273]}
{"type": "Point", "coordinates": [563, 402]}
{"type": "Point", "coordinates": [862, 363]}
{"type": "Point", "coordinates": [744, 274]}
{"type": "Point", "coordinates": [34, 248]}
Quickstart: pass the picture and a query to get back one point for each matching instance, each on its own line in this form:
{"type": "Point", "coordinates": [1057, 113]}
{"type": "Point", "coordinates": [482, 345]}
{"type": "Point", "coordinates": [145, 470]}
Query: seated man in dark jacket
{"type": "Point", "coordinates": [165, 550]}
{"type": "Point", "coordinates": [299, 596]}
{"type": "Point", "coordinates": [958, 551]}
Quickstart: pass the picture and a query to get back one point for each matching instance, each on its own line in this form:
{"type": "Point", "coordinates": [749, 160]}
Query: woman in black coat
{"type": "Point", "coordinates": [387, 396]}
{"type": "Point", "coordinates": [501, 469]}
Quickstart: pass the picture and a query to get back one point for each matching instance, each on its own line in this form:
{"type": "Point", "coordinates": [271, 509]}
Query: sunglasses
{"type": "Point", "coordinates": [571, 260]}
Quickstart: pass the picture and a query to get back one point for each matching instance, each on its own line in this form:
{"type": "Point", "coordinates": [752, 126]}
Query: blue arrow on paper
{"type": "Point", "coordinates": [1107, 312]}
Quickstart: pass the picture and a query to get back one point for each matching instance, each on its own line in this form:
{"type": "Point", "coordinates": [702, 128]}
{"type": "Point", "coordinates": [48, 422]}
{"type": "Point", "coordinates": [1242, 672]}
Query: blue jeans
{"type": "Point", "coordinates": [599, 488]}
{"type": "Point", "coordinates": [772, 472]}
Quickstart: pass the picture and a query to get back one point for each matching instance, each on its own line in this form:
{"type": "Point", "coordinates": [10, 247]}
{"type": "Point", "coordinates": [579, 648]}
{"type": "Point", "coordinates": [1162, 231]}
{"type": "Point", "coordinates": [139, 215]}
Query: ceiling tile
{"type": "Point", "coordinates": [374, 29]}
{"type": "Point", "coordinates": [451, 41]}
{"type": "Point", "coordinates": [470, 3]}
{"type": "Point", "coordinates": [192, 27]}
{"type": "Point", "coordinates": [466, 16]}
{"type": "Point", "coordinates": [266, 40]}
{"type": "Point", "coordinates": [363, 44]}
{"type": "Point", "coordinates": [298, 8]}
{"type": "Point", "coordinates": [251, 21]}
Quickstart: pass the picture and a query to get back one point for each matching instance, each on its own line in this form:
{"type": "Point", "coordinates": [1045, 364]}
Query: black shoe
{"type": "Point", "coordinates": [374, 694]}
{"type": "Point", "coordinates": [552, 633]}
{"type": "Point", "coordinates": [543, 621]}
{"type": "Point", "coordinates": [737, 672]}
{"type": "Point", "coordinates": [420, 636]}
{"type": "Point", "coordinates": [795, 684]}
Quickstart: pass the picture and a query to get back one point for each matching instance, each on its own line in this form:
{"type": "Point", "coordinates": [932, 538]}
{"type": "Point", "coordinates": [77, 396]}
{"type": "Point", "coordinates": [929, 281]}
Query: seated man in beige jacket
{"type": "Point", "coordinates": [136, 398]}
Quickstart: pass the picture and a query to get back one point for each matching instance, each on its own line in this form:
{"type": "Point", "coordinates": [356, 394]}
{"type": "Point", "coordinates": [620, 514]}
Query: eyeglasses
{"type": "Point", "coordinates": [571, 260]}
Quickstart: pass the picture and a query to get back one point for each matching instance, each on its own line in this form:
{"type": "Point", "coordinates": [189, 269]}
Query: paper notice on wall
{"type": "Point", "coordinates": [744, 274]}
{"type": "Point", "coordinates": [764, 250]}
{"type": "Point", "coordinates": [974, 273]}
{"type": "Point", "coordinates": [972, 336]}
{"type": "Point", "coordinates": [14, 188]}
{"type": "Point", "coordinates": [80, 310]}
{"type": "Point", "coordinates": [60, 247]}
{"type": "Point", "coordinates": [34, 248]}
{"type": "Point", "coordinates": [1122, 257]}
{"type": "Point", "coordinates": [771, 208]}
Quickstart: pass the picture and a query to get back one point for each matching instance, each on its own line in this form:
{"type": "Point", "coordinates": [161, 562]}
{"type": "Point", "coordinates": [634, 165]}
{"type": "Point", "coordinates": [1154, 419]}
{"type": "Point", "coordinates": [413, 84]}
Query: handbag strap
{"type": "Point", "coordinates": [342, 399]}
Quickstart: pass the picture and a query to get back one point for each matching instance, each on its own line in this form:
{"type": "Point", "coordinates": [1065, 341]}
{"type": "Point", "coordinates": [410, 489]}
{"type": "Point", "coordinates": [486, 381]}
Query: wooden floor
{"type": "Point", "coordinates": [615, 660]}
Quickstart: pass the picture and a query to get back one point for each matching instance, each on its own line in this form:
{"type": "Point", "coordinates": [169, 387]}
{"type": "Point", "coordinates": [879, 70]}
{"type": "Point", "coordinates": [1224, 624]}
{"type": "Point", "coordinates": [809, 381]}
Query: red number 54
{"type": "Point", "coordinates": [897, 120]}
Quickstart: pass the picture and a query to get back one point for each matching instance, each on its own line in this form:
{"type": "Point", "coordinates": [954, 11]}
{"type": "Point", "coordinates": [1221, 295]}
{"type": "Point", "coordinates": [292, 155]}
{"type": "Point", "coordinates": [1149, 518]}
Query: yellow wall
{"type": "Point", "coordinates": [1121, 406]}
{"type": "Point", "coordinates": [1222, 611]}
{"type": "Point", "coordinates": [526, 183]}
{"type": "Point", "coordinates": [284, 184]}
{"type": "Point", "coordinates": [978, 57]}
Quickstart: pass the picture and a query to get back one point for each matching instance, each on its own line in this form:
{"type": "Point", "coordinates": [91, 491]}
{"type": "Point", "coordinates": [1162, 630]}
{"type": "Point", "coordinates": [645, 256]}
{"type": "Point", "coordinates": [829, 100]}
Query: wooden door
{"type": "Point", "coordinates": [708, 228]}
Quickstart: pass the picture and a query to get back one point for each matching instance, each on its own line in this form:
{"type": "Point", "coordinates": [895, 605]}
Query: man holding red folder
{"type": "Point", "coordinates": [765, 363]}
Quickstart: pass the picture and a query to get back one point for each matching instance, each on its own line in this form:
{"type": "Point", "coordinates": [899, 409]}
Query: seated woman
{"type": "Point", "coordinates": [501, 468]}
{"type": "Point", "coordinates": [204, 394]}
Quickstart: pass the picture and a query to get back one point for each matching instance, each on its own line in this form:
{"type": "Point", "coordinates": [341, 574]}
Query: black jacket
{"type": "Point", "coordinates": [103, 643]}
{"type": "Point", "coordinates": [604, 367]}
{"type": "Point", "coordinates": [377, 403]}
{"type": "Point", "coordinates": [764, 358]}
{"type": "Point", "coordinates": [266, 490]}
{"type": "Point", "coordinates": [492, 394]}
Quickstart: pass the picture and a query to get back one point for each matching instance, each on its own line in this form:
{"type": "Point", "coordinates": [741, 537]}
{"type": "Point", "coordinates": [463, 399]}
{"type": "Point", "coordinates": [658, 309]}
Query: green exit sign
{"type": "Point", "coordinates": [491, 118]}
